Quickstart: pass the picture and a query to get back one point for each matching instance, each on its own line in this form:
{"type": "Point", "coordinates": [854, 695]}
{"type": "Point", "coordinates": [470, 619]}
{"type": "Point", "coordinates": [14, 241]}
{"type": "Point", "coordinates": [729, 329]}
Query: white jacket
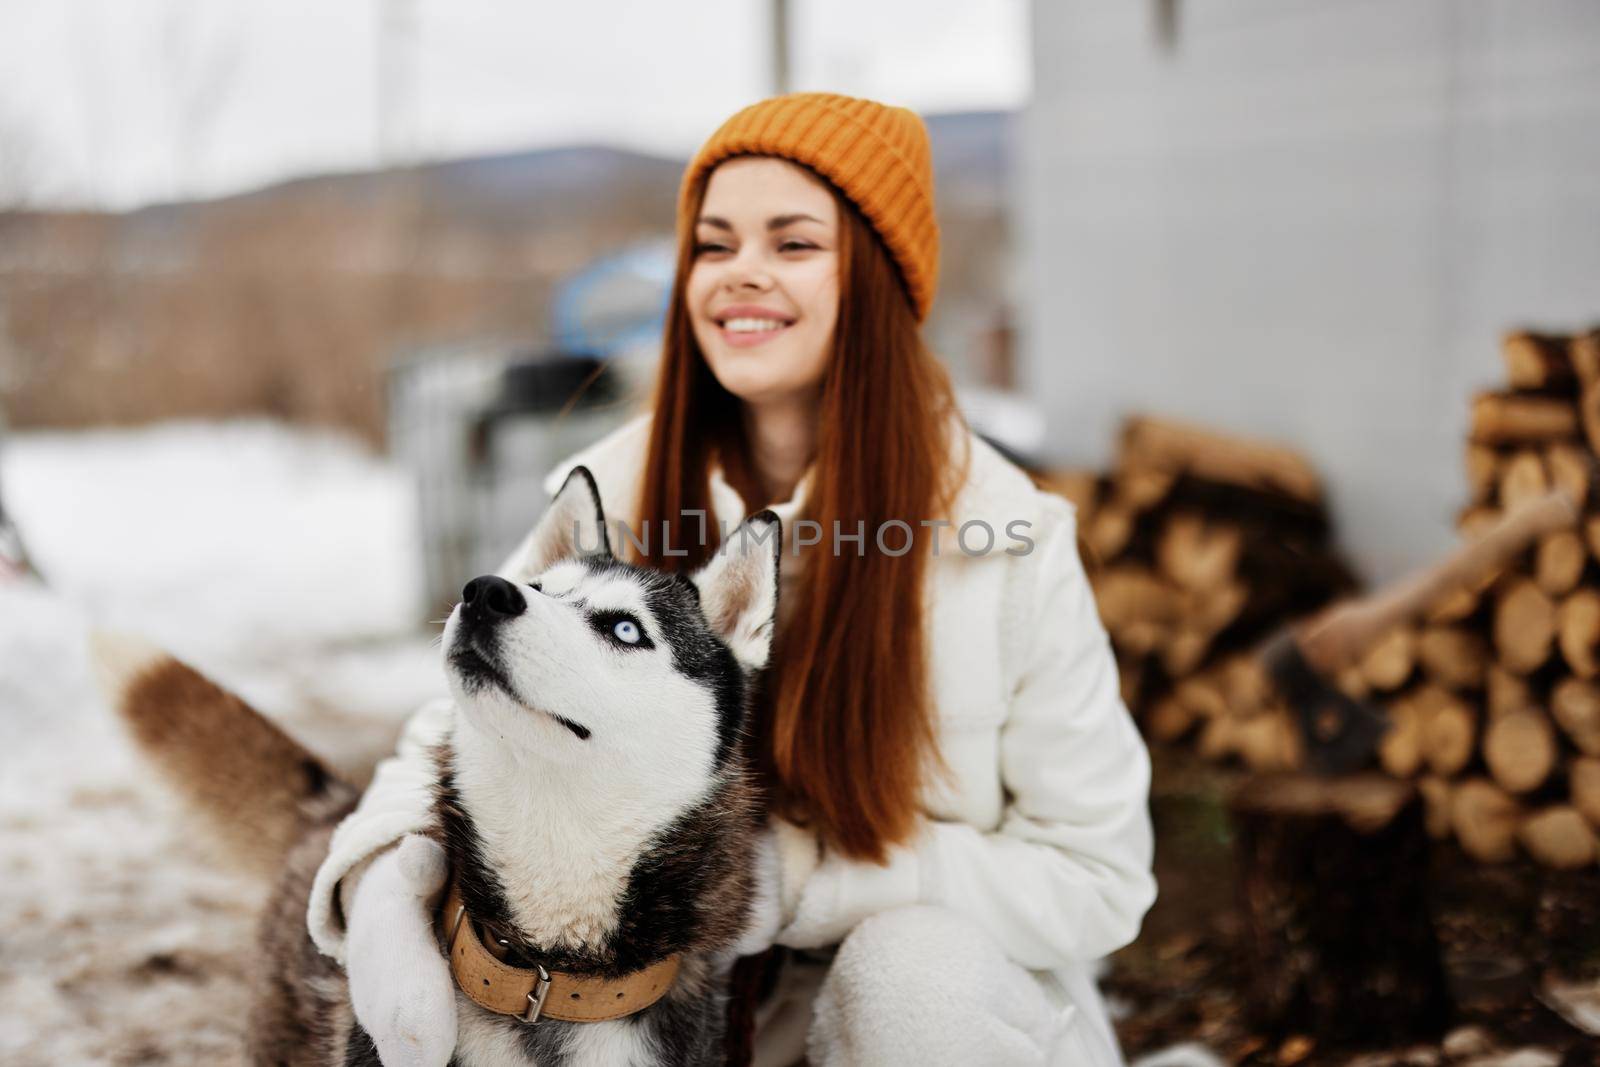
{"type": "Point", "coordinates": [1042, 832]}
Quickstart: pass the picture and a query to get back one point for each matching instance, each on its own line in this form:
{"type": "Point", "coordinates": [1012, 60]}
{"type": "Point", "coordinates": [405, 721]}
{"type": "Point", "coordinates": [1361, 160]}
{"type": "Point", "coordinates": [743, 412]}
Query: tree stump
{"type": "Point", "coordinates": [1338, 940]}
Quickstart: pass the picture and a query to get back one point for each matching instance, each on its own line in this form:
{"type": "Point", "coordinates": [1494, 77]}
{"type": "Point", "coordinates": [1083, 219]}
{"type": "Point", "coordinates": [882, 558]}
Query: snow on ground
{"type": "Point", "coordinates": [284, 563]}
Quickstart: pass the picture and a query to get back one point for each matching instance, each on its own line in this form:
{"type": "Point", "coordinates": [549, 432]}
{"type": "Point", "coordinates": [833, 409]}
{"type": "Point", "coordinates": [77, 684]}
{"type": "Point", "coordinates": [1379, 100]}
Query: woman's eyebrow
{"type": "Point", "coordinates": [777, 222]}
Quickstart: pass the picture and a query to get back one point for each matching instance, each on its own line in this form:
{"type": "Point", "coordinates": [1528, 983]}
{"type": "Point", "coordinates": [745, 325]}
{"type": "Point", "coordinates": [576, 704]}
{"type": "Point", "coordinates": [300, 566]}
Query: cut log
{"type": "Point", "coordinates": [1520, 750]}
{"type": "Point", "coordinates": [1218, 738]}
{"type": "Point", "coordinates": [1591, 534]}
{"type": "Point", "coordinates": [1185, 650]}
{"type": "Point", "coordinates": [1506, 692]}
{"type": "Point", "coordinates": [1129, 593]}
{"type": "Point", "coordinates": [1559, 561]}
{"type": "Point", "coordinates": [1218, 457]}
{"type": "Point", "coordinates": [1575, 705]}
{"type": "Point", "coordinates": [1507, 419]}
{"type": "Point", "coordinates": [1245, 682]}
{"type": "Point", "coordinates": [1485, 819]}
{"type": "Point", "coordinates": [1203, 696]}
{"type": "Point", "coordinates": [1268, 742]}
{"type": "Point", "coordinates": [1583, 782]}
{"type": "Point", "coordinates": [1400, 748]}
{"type": "Point", "coordinates": [1141, 487]}
{"type": "Point", "coordinates": [1338, 941]}
{"type": "Point", "coordinates": [1589, 412]}
{"type": "Point", "coordinates": [1578, 629]}
{"type": "Point", "coordinates": [1449, 730]}
{"type": "Point", "coordinates": [1537, 361]}
{"type": "Point", "coordinates": [1571, 468]}
{"type": "Point", "coordinates": [1483, 473]}
{"type": "Point", "coordinates": [1079, 486]}
{"type": "Point", "coordinates": [1197, 555]}
{"type": "Point", "coordinates": [1524, 626]}
{"type": "Point", "coordinates": [1140, 637]}
{"type": "Point", "coordinates": [1583, 352]}
{"type": "Point", "coordinates": [1388, 663]}
{"type": "Point", "coordinates": [1109, 530]}
{"type": "Point", "coordinates": [1558, 837]}
{"type": "Point", "coordinates": [1522, 478]}
{"type": "Point", "coordinates": [1352, 683]}
{"type": "Point", "coordinates": [1453, 656]}
{"type": "Point", "coordinates": [1454, 606]}
{"type": "Point", "coordinates": [1213, 610]}
{"type": "Point", "coordinates": [1436, 800]}
{"type": "Point", "coordinates": [1169, 720]}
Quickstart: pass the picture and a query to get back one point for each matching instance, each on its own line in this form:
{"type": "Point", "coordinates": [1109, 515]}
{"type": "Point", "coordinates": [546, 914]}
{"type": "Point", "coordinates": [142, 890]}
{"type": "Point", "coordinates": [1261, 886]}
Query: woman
{"type": "Point", "coordinates": [959, 797]}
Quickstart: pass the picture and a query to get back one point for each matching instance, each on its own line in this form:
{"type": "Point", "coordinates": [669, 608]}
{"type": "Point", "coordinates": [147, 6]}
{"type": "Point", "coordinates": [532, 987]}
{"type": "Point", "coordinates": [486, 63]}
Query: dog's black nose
{"type": "Point", "coordinates": [490, 598]}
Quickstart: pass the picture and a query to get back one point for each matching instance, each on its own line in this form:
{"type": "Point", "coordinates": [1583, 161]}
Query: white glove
{"type": "Point", "coordinates": [785, 856]}
{"type": "Point", "coordinates": [401, 988]}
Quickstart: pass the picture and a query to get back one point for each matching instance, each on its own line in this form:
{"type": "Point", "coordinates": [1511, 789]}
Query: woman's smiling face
{"type": "Point", "coordinates": [763, 292]}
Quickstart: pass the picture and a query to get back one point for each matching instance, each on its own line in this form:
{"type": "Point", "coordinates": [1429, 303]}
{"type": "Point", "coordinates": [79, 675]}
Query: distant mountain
{"type": "Point", "coordinates": [579, 169]}
{"type": "Point", "coordinates": [971, 153]}
{"type": "Point", "coordinates": [293, 298]}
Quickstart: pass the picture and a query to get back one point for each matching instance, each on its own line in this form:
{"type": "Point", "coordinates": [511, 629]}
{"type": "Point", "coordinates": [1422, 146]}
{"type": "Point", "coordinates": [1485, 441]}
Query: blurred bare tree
{"type": "Point", "coordinates": [200, 62]}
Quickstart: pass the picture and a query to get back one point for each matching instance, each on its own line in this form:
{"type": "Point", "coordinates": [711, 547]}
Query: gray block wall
{"type": "Point", "coordinates": [1309, 221]}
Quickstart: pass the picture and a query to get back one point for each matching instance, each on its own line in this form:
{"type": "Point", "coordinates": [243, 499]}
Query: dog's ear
{"type": "Point", "coordinates": [739, 588]}
{"type": "Point", "coordinates": [574, 525]}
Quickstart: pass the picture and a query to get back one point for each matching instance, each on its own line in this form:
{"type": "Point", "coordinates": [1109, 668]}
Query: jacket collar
{"type": "Point", "coordinates": [729, 505]}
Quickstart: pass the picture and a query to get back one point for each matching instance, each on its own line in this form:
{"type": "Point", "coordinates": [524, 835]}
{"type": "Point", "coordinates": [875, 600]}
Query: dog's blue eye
{"type": "Point", "coordinates": [621, 628]}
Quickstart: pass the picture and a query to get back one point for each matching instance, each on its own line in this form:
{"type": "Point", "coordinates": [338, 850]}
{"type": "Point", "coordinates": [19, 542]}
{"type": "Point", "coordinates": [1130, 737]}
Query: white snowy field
{"type": "Point", "coordinates": [283, 563]}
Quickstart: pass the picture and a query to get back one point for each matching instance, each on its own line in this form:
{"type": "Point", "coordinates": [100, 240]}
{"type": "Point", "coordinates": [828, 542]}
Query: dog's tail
{"type": "Point", "coordinates": [255, 787]}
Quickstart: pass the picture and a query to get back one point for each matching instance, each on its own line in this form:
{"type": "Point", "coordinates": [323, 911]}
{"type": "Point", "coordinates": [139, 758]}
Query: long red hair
{"type": "Point", "coordinates": [844, 721]}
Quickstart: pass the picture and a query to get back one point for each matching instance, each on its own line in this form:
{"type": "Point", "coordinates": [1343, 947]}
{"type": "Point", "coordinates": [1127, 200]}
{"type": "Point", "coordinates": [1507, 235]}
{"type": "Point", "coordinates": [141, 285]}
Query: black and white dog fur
{"type": "Point", "coordinates": [593, 798]}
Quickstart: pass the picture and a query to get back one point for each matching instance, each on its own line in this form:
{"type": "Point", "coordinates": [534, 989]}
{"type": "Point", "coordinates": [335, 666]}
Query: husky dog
{"type": "Point", "coordinates": [592, 797]}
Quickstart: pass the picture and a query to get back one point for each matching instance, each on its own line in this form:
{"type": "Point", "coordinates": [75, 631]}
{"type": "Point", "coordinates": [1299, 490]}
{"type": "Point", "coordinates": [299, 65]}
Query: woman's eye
{"type": "Point", "coordinates": [626, 631]}
{"type": "Point", "coordinates": [796, 246]}
{"type": "Point", "coordinates": [708, 246]}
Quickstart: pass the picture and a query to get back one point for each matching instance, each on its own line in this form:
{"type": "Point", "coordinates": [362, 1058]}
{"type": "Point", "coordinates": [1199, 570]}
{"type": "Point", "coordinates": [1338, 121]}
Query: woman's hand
{"type": "Point", "coordinates": [400, 985]}
{"type": "Point", "coordinates": [785, 856]}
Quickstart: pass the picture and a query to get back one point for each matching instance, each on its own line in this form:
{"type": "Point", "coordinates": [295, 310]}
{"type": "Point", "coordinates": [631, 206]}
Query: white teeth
{"type": "Point", "coordinates": [752, 325]}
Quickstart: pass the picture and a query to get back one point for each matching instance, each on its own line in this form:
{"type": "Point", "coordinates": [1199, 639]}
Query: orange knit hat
{"type": "Point", "coordinates": [878, 156]}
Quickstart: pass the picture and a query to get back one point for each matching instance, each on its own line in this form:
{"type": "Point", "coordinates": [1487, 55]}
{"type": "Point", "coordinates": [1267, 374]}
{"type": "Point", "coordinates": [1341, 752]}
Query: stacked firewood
{"type": "Point", "coordinates": [1198, 546]}
{"type": "Point", "coordinates": [1495, 698]}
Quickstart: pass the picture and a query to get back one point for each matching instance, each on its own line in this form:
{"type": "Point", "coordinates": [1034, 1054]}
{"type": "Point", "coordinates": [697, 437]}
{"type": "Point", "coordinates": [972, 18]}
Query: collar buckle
{"type": "Point", "coordinates": [536, 996]}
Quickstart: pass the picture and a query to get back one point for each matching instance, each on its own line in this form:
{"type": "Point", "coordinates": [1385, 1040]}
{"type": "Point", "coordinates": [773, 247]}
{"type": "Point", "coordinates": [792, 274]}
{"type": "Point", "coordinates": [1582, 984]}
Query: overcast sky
{"type": "Point", "coordinates": [123, 102]}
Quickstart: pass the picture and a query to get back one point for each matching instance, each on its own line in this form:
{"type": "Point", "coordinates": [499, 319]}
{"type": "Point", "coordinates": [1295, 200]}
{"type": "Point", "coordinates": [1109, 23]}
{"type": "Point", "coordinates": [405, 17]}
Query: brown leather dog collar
{"type": "Point", "coordinates": [535, 993]}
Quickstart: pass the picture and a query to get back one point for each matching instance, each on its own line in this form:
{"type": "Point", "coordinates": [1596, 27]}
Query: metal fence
{"type": "Point", "coordinates": [479, 428]}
